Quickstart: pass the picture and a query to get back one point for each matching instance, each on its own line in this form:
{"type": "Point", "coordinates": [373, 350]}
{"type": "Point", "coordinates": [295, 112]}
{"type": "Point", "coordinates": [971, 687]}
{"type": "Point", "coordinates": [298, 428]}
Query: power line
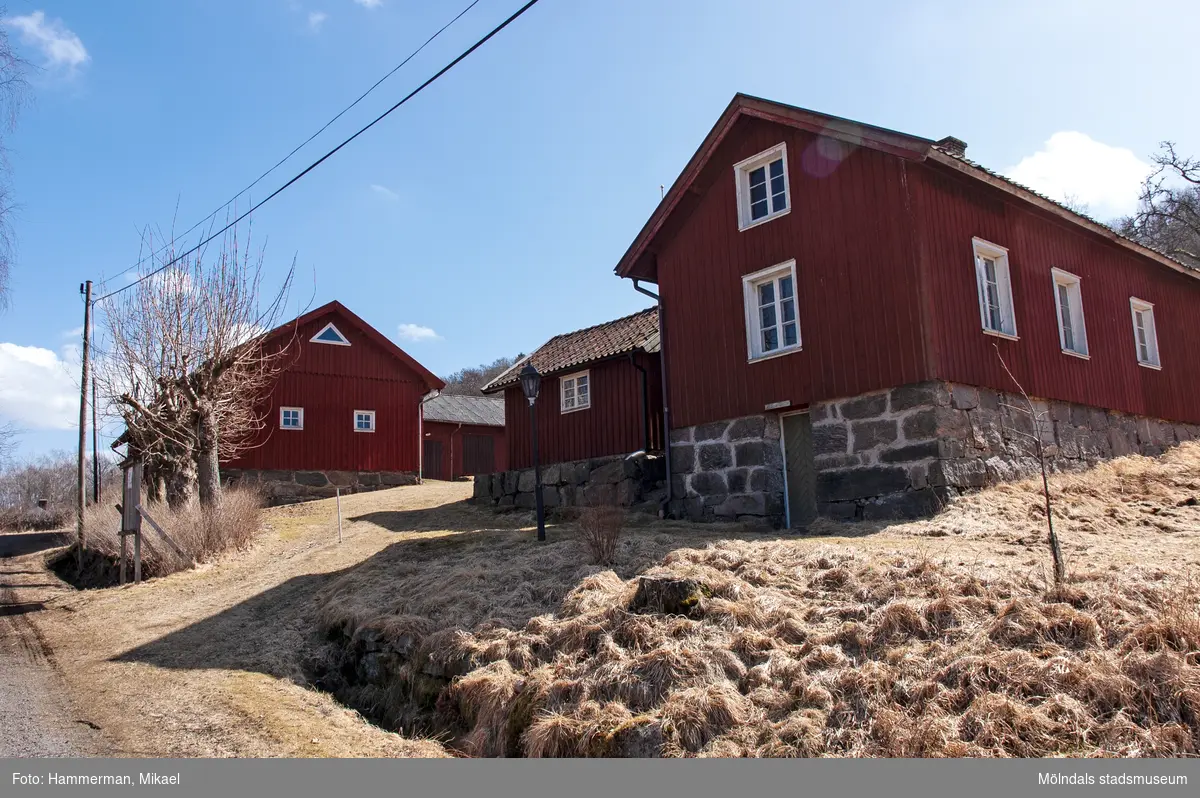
{"type": "Point", "coordinates": [303, 144]}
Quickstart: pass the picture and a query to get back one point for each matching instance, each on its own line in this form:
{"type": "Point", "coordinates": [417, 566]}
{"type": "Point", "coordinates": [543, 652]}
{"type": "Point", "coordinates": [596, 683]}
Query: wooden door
{"type": "Point", "coordinates": [801, 470]}
{"type": "Point", "coordinates": [433, 460]}
{"type": "Point", "coordinates": [479, 455]}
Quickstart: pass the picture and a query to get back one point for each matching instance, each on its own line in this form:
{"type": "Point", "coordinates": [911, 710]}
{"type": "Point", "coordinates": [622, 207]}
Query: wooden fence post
{"type": "Point", "coordinates": [131, 518]}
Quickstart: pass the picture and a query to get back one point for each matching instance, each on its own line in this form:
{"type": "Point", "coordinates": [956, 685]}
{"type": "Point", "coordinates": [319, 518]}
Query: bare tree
{"type": "Point", "coordinates": [14, 92]}
{"type": "Point", "coordinates": [470, 381]}
{"type": "Point", "coordinates": [1168, 214]}
{"type": "Point", "coordinates": [186, 368]}
{"type": "Point", "coordinates": [8, 442]}
{"type": "Point", "coordinates": [1037, 420]}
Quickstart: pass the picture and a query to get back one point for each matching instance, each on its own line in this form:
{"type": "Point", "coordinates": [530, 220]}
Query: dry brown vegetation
{"type": "Point", "coordinates": [879, 645]}
{"type": "Point", "coordinates": [600, 528]}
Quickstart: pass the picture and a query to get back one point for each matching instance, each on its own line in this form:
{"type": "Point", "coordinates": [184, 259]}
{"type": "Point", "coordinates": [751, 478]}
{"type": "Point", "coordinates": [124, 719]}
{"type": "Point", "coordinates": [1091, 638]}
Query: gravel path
{"type": "Point", "coordinates": [35, 717]}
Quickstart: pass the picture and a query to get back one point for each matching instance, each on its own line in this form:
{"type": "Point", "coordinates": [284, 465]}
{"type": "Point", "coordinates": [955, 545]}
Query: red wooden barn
{"type": "Point", "coordinates": [840, 303]}
{"type": "Point", "coordinates": [601, 394]}
{"type": "Point", "coordinates": [464, 436]}
{"type": "Point", "coordinates": [344, 412]}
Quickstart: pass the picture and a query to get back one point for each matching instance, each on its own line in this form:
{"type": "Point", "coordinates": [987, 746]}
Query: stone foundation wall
{"type": "Point", "coordinates": [636, 481]}
{"type": "Point", "coordinates": [289, 487]}
{"type": "Point", "coordinates": [903, 453]}
{"type": "Point", "coordinates": [728, 470]}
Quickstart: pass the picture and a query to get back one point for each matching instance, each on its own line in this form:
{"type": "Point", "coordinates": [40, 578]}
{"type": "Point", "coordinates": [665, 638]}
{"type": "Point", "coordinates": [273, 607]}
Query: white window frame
{"type": "Point", "coordinates": [1150, 330]}
{"type": "Point", "coordinates": [1074, 287]}
{"type": "Point", "coordinates": [741, 173]}
{"type": "Point", "coordinates": [316, 338]}
{"type": "Point", "coordinates": [750, 284]}
{"type": "Point", "coordinates": [574, 380]}
{"type": "Point", "coordinates": [982, 250]}
{"type": "Point", "coordinates": [299, 411]}
{"type": "Point", "coordinates": [368, 413]}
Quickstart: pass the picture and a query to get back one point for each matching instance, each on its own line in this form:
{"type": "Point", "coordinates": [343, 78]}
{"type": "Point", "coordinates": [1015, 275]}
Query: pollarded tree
{"type": "Point", "coordinates": [1168, 214]}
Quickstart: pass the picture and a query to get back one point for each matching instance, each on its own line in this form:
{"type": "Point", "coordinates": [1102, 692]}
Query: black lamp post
{"type": "Point", "coordinates": [531, 382]}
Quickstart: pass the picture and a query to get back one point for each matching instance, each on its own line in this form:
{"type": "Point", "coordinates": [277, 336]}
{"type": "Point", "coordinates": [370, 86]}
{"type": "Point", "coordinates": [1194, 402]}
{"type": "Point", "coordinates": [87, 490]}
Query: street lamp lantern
{"type": "Point", "coordinates": [531, 383]}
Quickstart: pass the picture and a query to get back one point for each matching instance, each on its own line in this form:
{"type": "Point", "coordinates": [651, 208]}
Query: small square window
{"type": "Point", "coordinates": [994, 285]}
{"type": "Point", "coordinates": [1145, 333]}
{"type": "Point", "coordinates": [291, 418]}
{"type": "Point", "coordinates": [772, 320]}
{"type": "Point", "coordinates": [576, 391]}
{"type": "Point", "coordinates": [762, 187]}
{"type": "Point", "coordinates": [364, 420]}
{"type": "Point", "coordinates": [1068, 306]}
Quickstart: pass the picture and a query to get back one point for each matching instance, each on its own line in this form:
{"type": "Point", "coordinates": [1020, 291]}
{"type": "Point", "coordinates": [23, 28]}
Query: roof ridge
{"type": "Point", "coordinates": [598, 326]}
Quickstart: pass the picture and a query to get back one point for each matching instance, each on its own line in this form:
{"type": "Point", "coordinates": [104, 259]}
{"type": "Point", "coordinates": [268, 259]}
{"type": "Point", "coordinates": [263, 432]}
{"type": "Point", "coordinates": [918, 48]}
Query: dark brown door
{"type": "Point", "coordinates": [478, 455]}
{"type": "Point", "coordinates": [801, 470]}
{"type": "Point", "coordinates": [433, 460]}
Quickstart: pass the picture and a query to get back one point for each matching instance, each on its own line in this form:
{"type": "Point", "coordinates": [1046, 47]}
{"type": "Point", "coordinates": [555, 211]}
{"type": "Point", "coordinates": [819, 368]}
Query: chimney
{"type": "Point", "coordinates": [956, 147]}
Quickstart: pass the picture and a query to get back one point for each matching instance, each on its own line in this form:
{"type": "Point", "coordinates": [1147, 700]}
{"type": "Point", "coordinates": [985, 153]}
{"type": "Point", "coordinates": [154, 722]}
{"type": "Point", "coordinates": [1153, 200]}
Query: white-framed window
{"type": "Point", "coordinates": [364, 420]}
{"type": "Point", "coordinates": [772, 318]}
{"type": "Point", "coordinates": [762, 187]}
{"type": "Point", "coordinates": [1068, 307]}
{"type": "Point", "coordinates": [994, 284]}
{"type": "Point", "coordinates": [291, 418]}
{"type": "Point", "coordinates": [1145, 333]}
{"type": "Point", "coordinates": [575, 391]}
{"type": "Point", "coordinates": [330, 334]}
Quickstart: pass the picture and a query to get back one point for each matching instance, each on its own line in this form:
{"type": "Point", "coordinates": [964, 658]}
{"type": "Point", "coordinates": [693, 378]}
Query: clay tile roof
{"type": "Point", "coordinates": [635, 333]}
{"type": "Point", "coordinates": [482, 410]}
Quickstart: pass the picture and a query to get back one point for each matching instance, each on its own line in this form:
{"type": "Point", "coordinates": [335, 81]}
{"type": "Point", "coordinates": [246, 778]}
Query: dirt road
{"type": "Point", "coordinates": [36, 718]}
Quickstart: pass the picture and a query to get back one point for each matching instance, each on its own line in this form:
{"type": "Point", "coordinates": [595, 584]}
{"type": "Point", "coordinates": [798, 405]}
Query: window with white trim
{"type": "Point", "coordinates": [576, 391]}
{"type": "Point", "coordinates": [364, 420]}
{"type": "Point", "coordinates": [1145, 334]}
{"type": "Point", "coordinates": [772, 320]}
{"type": "Point", "coordinates": [994, 284]}
{"type": "Point", "coordinates": [1068, 306]}
{"type": "Point", "coordinates": [291, 418]}
{"type": "Point", "coordinates": [762, 187]}
{"type": "Point", "coordinates": [330, 334]}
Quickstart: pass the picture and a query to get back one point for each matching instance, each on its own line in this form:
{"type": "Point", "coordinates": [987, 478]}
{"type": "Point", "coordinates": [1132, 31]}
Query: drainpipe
{"type": "Point", "coordinates": [663, 510]}
{"type": "Point", "coordinates": [645, 403]}
{"type": "Point", "coordinates": [452, 434]}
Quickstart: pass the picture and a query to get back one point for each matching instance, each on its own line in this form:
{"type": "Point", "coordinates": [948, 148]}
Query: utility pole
{"type": "Point", "coordinates": [86, 290]}
{"type": "Point", "coordinates": [95, 449]}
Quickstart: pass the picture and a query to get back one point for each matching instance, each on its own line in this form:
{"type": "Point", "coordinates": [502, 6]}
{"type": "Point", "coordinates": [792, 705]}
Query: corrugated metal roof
{"type": "Point", "coordinates": [638, 332]}
{"type": "Point", "coordinates": [482, 410]}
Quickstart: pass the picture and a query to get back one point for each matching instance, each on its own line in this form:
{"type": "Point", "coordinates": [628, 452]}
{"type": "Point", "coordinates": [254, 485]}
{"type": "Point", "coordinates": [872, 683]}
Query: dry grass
{"type": "Point", "coordinates": [600, 528]}
{"type": "Point", "coordinates": [869, 646]}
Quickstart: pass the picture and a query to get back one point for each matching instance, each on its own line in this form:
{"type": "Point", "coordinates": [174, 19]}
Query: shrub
{"type": "Point", "coordinates": [600, 527]}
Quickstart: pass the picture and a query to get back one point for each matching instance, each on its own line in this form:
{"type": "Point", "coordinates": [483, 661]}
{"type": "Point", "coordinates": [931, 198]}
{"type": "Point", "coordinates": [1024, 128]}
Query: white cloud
{"type": "Point", "coordinates": [385, 192]}
{"type": "Point", "coordinates": [369, 3]}
{"type": "Point", "coordinates": [36, 387]}
{"type": "Point", "coordinates": [415, 332]}
{"type": "Point", "coordinates": [74, 332]}
{"type": "Point", "coordinates": [60, 46]}
{"type": "Point", "coordinates": [1075, 167]}
{"type": "Point", "coordinates": [316, 19]}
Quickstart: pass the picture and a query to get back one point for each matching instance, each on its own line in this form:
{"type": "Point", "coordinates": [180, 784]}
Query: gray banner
{"type": "Point", "coordinates": [100, 778]}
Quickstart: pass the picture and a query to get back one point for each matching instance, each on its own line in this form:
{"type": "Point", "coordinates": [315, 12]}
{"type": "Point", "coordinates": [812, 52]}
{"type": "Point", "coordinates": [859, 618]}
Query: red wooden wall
{"type": "Point", "coordinates": [852, 237]}
{"type": "Point", "coordinates": [612, 425]}
{"type": "Point", "coordinates": [330, 383]}
{"type": "Point", "coordinates": [451, 436]}
{"type": "Point", "coordinates": [953, 208]}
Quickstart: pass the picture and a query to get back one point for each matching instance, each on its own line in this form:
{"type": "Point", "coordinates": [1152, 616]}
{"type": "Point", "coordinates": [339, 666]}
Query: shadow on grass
{"type": "Point", "coordinates": [17, 544]}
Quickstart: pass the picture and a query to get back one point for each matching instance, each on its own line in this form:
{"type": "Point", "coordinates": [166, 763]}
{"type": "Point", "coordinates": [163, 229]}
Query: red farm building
{"type": "Point", "coordinates": [842, 305]}
{"type": "Point", "coordinates": [464, 436]}
{"type": "Point", "coordinates": [601, 394]}
{"type": "Point", "coordinates": [345, 411]}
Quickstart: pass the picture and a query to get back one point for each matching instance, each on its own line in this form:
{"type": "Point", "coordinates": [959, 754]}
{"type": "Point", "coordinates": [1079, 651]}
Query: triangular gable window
{"type": "Point", "coordinates": [330, 335]}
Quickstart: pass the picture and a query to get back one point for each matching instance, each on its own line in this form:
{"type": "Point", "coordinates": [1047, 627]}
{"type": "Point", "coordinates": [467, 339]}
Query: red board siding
{"type": "Point", "coordinates": [451, 437]}
{"type": "Point", "coordinates": [851, 233]}
{"type": "Point", "coordinates": [612, 425]}
{"type": "Point", "coordinates": [330, 383]}
{"type": "Point", "coordinates": [952, 209]}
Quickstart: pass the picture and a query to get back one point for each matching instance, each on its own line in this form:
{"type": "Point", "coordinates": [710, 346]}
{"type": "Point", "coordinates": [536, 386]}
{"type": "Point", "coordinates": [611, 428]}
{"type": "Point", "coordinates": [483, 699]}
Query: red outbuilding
{"type": "Point", "coordinates": [344, 412]}
{"type": "Point", "coordinates": [464, 436]}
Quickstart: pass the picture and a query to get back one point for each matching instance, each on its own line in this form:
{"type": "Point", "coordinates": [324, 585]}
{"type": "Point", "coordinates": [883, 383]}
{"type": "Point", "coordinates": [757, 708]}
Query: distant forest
{"type": "Point", "coordinates": [470, 381]}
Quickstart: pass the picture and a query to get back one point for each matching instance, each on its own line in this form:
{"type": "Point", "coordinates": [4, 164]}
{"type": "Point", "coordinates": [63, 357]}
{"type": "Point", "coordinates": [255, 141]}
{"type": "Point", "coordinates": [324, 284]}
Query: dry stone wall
{"type": "Point", "coordinates": [289, 487]}
{"type": "Point", "coordinates": [636, 481]}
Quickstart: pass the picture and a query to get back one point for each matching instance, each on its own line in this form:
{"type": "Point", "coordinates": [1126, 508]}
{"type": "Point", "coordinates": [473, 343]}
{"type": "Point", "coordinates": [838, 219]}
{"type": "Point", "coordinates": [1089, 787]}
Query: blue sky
{"type": "Point", "coordinates": [487, 214]}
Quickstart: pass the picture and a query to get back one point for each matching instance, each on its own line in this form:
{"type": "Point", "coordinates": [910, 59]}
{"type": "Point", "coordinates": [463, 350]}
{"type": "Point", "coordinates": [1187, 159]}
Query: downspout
{"type": "Point", "coordinates": [645, 403]}
{"type": "Point", "coordinates": [663, 509]}
{"type": "Point", "coordinates": [457, 430]}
